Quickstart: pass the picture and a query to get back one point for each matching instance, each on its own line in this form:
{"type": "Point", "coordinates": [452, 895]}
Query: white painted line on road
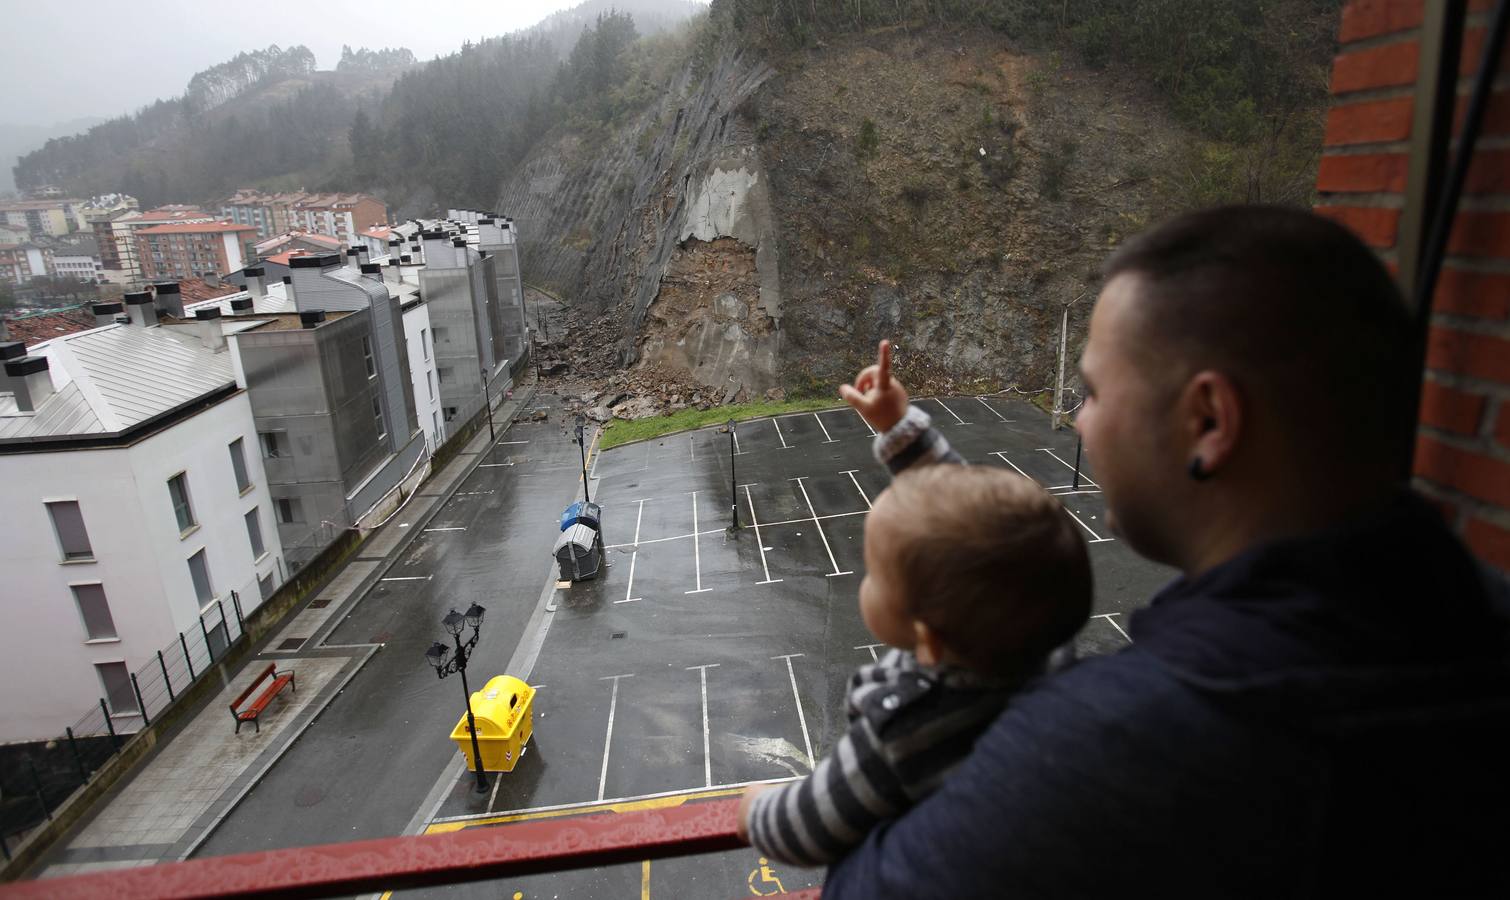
{"type": "Point", "coordinates": [1014, 465]}
{"type": "Point", "coordinates": [801, 719]}
{"type": "Point", "coordinates": [495, 465]}
{"type": "Point", "coordinates": [825, 430]}
{"type": "Point", "coordinates": [784, 444]}
{"type": "Point", "coordinates": [1083, 477]}
{"type": "Point", "coordinates": [613, 705]}
{"type": "Point", "coordinates": [583, 804]}
{"type": "Point", "coordinates": [735, 434]}
{"type": "Point", "coordinates": [697, 553]}
{"type": "Point", "coordinates": [858, 512]}
{"type": "Point", "coordinates": [503, 443]}
{"type": "Point", "coordinates": [819, 526]}
{"type": "Point", "coordinates": [493, 797]}
{"type": "Point", "coordinates": [865, 423]}
{"type": "Point", "coordinates": [691, 448]}
{"type": "Point", "coordinates": [851, 474]}
{"type": "Point", "coordinates": [448, 528]}
{"type": "Point", "coordinates": [758, 542]}
{"type": "Point", "coordinates": [1095, 538]}
{"type": "Point", "coordinates": [408, 578]}
{"type": "Point", "coordinates": [629, 590]}
{"type": "Point", "coordinates": [702, 676]}
{"type": "Point", "coordinates": [872, 649]}
{"type": "Point", "coordinates": [993, 409]}
{"type": "Point", "coordinates": [1112, 621]}
{"type": "Point", "coordinates": [1070, 493]}
{"type": "Point", "coordinates": [470, 493]}
{"type": "Point", "coordinates": [950, 411]}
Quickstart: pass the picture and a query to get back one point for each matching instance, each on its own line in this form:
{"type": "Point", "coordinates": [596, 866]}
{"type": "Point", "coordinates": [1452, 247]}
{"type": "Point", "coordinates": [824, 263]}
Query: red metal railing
{"type": "Point", "coordinates": [477, 854]}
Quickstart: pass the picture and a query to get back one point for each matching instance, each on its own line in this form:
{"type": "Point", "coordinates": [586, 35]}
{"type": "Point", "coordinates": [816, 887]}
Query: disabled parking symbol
{"type": "Point", "coordinates": [763, 881]}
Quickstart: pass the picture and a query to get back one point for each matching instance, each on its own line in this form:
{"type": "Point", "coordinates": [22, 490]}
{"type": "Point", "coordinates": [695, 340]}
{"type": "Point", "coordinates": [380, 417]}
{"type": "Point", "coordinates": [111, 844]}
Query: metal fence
{"type": "Point", "coordinates": [38, 777]}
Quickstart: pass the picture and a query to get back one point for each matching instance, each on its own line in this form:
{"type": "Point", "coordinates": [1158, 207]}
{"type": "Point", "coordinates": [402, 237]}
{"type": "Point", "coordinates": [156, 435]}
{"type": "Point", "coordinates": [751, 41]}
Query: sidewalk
{"type": "Point", "coordinates": [183, 790]}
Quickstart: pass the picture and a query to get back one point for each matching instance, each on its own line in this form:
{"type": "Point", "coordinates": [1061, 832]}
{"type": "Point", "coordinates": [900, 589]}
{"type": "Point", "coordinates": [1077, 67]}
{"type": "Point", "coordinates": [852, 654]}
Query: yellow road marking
{"type": "Point", "coordinates": [645, 882]}
{"type": "Point", "coordinates": [620, 806]}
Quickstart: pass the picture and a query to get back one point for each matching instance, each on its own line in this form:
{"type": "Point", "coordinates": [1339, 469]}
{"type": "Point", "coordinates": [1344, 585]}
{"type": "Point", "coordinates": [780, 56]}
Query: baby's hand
{"type": "Point", "coordinates": [745, 803]}
{"type": "Point", "coordinates": [876, 396]}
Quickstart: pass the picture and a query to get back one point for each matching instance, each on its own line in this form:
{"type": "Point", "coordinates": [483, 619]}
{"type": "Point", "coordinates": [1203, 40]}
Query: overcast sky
{"type": "Point", "coordinates": [103, 58]}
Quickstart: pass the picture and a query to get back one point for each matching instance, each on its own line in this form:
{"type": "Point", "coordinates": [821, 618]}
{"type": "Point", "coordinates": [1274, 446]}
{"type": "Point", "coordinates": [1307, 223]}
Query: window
{"type": "Point", "coordinates": [68, 522]}
{"type": "Point", "coordinates": [199, 573]}
{"type": "Point", "coordinates": [116, 682]}
{"type": "Point", "coordinates": [178, 489]}
{"type": "Point", "coordinates": [442, 335]}
{"type": "Point", "coordinates": [290, 511]}
{"type": "Point", "coordinates": [450, 413]}
{"type": "Point", "coordinates": [377, 415]}
{"type": "Point", "coordinates": [444, 374]}
{"type": "Point", "coordinates": [274, 443]}
{"type": "Point", "coordinates": [254, 533]}
{"type": "Point", "coordinates": [238, 465]}
{"type": "Point", "coordinates": [424, 342]}
{"type": "Point", "coordinates": [95, 611]}
{"type": "Point", "coordinates": [430, 380]}
{"type": "Point", "coordinates": [367, 357]}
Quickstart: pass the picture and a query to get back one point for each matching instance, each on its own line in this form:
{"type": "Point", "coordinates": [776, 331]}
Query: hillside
{"type": "Point", "coordinates": [777, 209]}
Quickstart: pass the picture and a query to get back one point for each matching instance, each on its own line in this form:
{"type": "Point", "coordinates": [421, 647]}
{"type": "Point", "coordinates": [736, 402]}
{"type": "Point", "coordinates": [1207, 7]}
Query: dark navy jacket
{"type": "Point", "coordinates": [1315, 718]}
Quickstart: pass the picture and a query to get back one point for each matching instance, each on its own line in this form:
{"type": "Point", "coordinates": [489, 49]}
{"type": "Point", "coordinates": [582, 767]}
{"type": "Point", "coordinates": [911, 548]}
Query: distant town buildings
{"type": "Point", "coordinates": [187, 250]}
{"type": "Point", "coordinates": [20, 263]}
{"type": "Point", "coordinates": [53, 216]}
{"type": "Point", "coordinates": [339, 215]}
{"type": "Point", "coordinates": [77, 258]}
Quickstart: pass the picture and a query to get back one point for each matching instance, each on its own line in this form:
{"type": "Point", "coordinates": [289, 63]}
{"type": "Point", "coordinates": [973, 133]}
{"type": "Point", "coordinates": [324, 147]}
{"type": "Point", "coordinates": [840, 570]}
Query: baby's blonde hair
{"type": "Point", "coordinates": [990, 562]}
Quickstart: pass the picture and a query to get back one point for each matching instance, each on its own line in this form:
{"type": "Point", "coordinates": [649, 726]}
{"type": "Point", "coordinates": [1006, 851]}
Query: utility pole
{"type": "Point", "coordinates": [1064, 328]}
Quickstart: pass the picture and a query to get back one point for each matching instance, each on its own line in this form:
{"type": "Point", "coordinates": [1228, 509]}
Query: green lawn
{"type": "Point", "coordinates": [621, 431]}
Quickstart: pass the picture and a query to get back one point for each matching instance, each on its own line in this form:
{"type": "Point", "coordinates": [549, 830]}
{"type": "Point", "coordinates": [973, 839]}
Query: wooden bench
{"type": "Point", "coordinates": [255, 708]}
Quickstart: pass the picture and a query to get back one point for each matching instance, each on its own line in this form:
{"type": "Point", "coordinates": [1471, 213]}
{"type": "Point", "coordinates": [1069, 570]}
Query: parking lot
{"type": "Point", "coordinates": [706, 656]}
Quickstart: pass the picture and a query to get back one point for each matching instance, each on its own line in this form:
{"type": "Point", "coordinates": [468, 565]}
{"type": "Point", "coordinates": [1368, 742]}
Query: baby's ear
{"type": "Point", "coordinates": [928, 648]}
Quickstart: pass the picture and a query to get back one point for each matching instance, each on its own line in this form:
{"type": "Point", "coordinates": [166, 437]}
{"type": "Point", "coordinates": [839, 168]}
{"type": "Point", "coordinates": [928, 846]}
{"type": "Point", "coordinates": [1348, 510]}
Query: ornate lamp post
{"type": "Point", "coordinates": [456, 623]}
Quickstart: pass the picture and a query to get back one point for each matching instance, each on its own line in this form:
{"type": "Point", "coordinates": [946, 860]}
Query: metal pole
{"type": "Point", "coordinates": [208, 649]}
{"type": "Point", "coordinates": [223, 624]}
{"type": "Point", "coordinates": [140, 704]}
{"type": "Point", "coordinates": [487, 403]}
{"type": "Point", "coordinates": [582, 447]}
{"type": "Point", "coordinates": [36, 783]}
{"type": "Point", "coordinates": [1075, 485]}
{"type": "Point", "coordinates": [733, 485]}
{"type": "Point", "coordinates": [461, 666]}
{"type": "Point", "coordinates": [78, 758]}
{"type": "Point", "coordinates": [187, 661]}
{"type": "Point", "coordinates": [166, 680]}
{"type": "Point", "coordinates": [1064, 328]}
{"type": "Point", "coordinates": [236, 607]}
{"type": "Point", "coordinates": [115, 740]}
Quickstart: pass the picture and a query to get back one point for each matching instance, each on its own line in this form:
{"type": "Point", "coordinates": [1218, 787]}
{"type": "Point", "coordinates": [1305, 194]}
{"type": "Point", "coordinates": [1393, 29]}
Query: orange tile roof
{"type": "Point", "coordinates": [194, 227]}
{"type": "Point", "coordinates": [35, 329]}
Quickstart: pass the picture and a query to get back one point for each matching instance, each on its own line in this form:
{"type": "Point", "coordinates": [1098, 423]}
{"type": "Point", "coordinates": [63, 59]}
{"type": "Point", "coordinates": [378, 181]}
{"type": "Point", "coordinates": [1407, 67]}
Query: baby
{"type": "Point", "coordinates": [974, 576]}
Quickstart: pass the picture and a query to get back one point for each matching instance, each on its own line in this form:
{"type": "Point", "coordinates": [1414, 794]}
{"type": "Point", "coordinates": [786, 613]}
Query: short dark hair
{"type": "Point", "coordinates": [1292, 305]}
{"type": "Point", "coordinates": [991, 563]}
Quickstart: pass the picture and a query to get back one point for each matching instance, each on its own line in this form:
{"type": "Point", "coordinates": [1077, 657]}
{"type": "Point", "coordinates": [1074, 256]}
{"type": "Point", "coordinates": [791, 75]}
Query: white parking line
{"type": "Point", "coordinates": [1095, 538]}
{"type": "Point", "coordinates": [865, 423]}
{"type": "Point", "coordinates": [735, 434]}
{"type": "Point", "coordinates": [691, 448]}
{"type": "Point", "coordinates": [801, 719]}
{"type": "Point", "coordinates": [872, 649]}
{"type": "Point", "coordinates": [784, 444]}
{"type": "Point", "coordinates": [629, 591]}
{"type": "Point", "coordinates": [851, 474]}
{"type": "Point", "coordinates": [993, 409]}
{"type": "Point", "coordinates": [495, 465]}
{"type": "Point", "coordinates": [950, 411]}
{"type": "Point", "coordinates": [825, 430]}
{"type": "Point", "coordinates": [613, 705]}
{"type": "Point", "coordinates": [697, 553]}
{"type": "Point", "coordinates": [819, 526]}
{"type": "Point", "coordinates": [1014, 465]}
{"type": "Point", "coordinates": [448, 528]}
{"type": "Point", "coordinates": [1112, 621]}
{"type": "Point", "coordinates": [503, 443]}
{"type": "Point", "coordinates": [470, 493]}
{"type": "Point", "coordinates": [702, 675]}
{"type": "Point", "coordinates": [758, 542]}
{"type": "Point", "coordinates": [1083, 477]}
{"type": "Point", "coordinates": [407, 578]}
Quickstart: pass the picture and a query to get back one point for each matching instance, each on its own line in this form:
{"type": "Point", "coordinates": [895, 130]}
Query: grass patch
{"type": "Point", "coordinates": [622, 431]}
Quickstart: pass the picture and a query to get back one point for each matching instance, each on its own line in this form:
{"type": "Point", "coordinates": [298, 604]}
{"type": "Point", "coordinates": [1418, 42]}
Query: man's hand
{"type": "Point", "coordinates": [876, 396]}
{"type": "Point", "coordinates": [745, 802]}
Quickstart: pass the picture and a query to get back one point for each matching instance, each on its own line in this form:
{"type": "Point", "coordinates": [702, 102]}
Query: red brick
{"type": "Point", "coordinates": [1466, 353]}
{"type": "Point", "coordinates": [1364, 173]}
{"type": "Point", "coordinates": [1473, 52]}
{"type": "Point", "coordinates": [1389, 66]}
{"type": "Point", "coordinates": [1464, 293]}
{"type": "Point", "coordinates": [1496, 115]}
{"type": "Point", "coordinates": [1489, 172]}
{"type": "Point", "coordinates": [1376, 226]}
{"type": "Point", "coordinates": [1370, 18]}
{"type": "Point", "coordinates": [1474, 473]}
{"type": "Point", "coordinates": [1370, 122]}
{"type": "Point", "coordinates": [1480, 234]}
{"type": "Point", "coordinates": [1502, 425]}
{"type": "Point", "coordinates": [1451, 409]}
{"type": "Point", "coordinates": [1489, 542]}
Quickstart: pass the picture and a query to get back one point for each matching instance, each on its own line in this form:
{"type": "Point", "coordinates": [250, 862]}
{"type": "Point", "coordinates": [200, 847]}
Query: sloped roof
{"type": "Point", "coordinates": [36, 328]}
{"type": "Point", "coordinates": [194, 228]}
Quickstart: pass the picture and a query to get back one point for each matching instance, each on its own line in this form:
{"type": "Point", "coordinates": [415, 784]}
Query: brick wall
{"type": "Point", "coordinates": [1463, 446]}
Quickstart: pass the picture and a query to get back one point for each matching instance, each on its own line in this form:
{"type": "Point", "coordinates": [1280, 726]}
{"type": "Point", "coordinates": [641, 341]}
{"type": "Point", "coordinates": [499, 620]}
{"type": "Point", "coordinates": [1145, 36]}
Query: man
{"type": "Point", "coordinates": [1320, 705]}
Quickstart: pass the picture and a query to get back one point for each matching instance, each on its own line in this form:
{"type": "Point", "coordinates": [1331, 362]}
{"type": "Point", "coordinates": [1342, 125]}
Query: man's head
{"type": "Point", "coordinates": [973, 565]}
{"type": "Point", "coordinates": [1248, 374]}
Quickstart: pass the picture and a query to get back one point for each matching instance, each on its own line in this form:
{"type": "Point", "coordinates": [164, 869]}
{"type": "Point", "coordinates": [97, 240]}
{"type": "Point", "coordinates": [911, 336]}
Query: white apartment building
{"type": "Point", "coordinates": [134, 500]}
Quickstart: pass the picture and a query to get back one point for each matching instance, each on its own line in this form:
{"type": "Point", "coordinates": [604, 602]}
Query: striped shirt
{"type": "Point", "coordinates": [909, 725]}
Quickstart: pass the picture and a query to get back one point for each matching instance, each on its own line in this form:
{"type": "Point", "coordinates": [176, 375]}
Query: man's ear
{"type": "Point", "coordinates": [1211, 420]}
{"type": "Point", "coordinates": [929, 649]}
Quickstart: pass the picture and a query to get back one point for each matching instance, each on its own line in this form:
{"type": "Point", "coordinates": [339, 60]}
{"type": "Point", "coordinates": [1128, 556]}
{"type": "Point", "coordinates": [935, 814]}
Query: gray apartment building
{"type": "Point", "coordinates": [333, 402]}
{"type": "Point", "coordinates": [499, 236]}
{"type": "Point", "coordinates": [460, 286]}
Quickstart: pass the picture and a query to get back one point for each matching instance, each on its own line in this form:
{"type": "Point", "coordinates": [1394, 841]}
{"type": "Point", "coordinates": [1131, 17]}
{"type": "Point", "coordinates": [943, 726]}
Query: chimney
{"type": "Point", "coordinates": [437, 254]}
{"type": "Point", "coordinates": [169, 300]}
{"type": "Point", "coordinates": [364, 253]}
{"type": "Point", "coordinates": [207, 323]}
{"type": "Point", "coordinates": [105, 313]}
{"type": "Point", "coordinates": [406, 259]}
{"type": "Point", "coordinates": [242, 306]}
{"type": "Point", "coordinates": [372, 269]}
{"type": "Point", "coordinates": [9, 350]}
{"type": "Point", "coordinates": [311, 318]}
{"type": "Point", "coordinates": [353, 257]}
{"type": "Point", "coordinates": [211, 278]}
{"type": "Point", "coordinates": [30, 381]}
{"type": "Point", "coordinates": [393, 273]}
{"type": "Point", "coordinates": [395, 248]}
{"type": "Point", "coordinates": [140, 308]}
{"type": "Point", "coordinates": [306, 286]}
{"type": "Point", "coordinates": [254, 285]}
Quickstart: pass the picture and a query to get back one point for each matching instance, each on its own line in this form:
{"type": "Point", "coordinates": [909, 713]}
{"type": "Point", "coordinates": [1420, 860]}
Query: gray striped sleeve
{"type": "Point", "coordinates": [914, 441]}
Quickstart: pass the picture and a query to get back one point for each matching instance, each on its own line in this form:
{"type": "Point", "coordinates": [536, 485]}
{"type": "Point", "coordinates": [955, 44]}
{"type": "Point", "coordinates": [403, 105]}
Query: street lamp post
{"type": "Point", "coordinates": [487, 403]}
{"type": "Point", "coordinates": [582, 446]}
{"type": "Point", "coordinates": [733, 482]}
{"type": "Point", "coordinates": [456, 623]}
{"type": "Point", "coordinates": [1075, 485]}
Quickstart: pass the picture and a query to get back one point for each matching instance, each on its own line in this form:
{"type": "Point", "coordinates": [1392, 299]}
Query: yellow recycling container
{"type": "Point", "coordinates": [504, 710]}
